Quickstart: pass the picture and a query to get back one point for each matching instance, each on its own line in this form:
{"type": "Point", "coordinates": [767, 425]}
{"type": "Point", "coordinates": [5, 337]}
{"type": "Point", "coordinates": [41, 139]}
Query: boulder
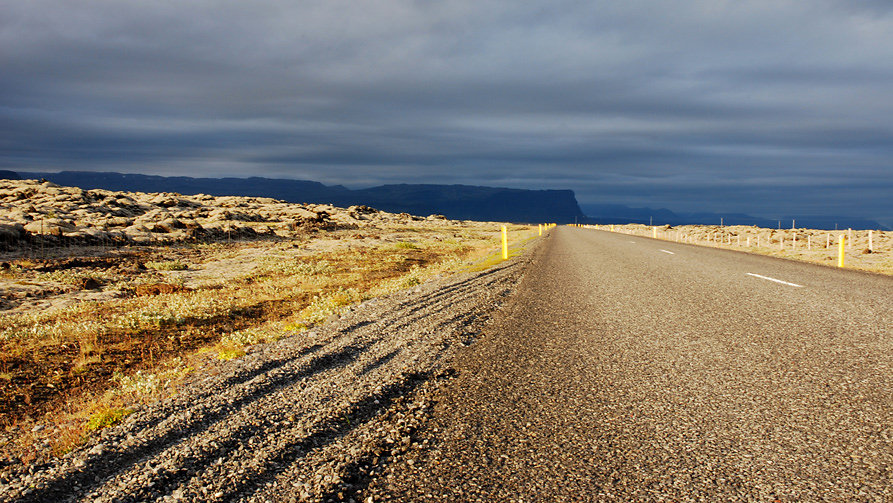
{"type": "Point", "coordinates": [168, 225]}
{"type": "Point", "coordinates": [49, 226]}
{"type": "Point", "coordinates": [97, 234]}
{"type": "Point", "coordinates": [147, 237]}
{"type": "Point", "coordinates": [119, 222]}
{"type": "Point", "coordinates": [220, 215]}
{"type": "Point", "coordinates": [122, 212]}
{"type": "Point", "coordinates": [137, 230]}
{"type": "Point", "coordinates": [284, 233]}
{"type": "Point", "coordinates": [303, 214]}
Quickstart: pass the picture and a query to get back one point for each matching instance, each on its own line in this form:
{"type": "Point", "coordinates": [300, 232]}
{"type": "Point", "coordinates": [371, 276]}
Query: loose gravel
{"type": "Point", "coordinates": [312, 417]}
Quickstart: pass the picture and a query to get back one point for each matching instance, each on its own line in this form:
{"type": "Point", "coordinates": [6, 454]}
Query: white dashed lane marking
{"type": "Point", "coordinates": [667, 251]}
{"type": "Point", "coordinates": [767, 278]}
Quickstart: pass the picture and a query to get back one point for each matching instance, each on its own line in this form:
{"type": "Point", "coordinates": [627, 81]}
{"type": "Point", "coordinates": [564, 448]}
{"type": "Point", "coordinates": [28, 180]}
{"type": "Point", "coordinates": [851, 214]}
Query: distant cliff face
{"type": "Point", "coordinates": [465, 202]}
{"type": "Point", "coordinates": [460, 202]}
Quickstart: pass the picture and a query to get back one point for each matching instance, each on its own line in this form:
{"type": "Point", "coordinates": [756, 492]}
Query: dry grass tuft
{"type": "Point", "coordinates": [230, 353]}
{"type": "Point", "coordinates": [105, 417]}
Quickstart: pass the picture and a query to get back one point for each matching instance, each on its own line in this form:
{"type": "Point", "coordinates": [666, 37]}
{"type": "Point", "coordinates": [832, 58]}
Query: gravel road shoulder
{"type": "Point", "coordinates": [311, 417]}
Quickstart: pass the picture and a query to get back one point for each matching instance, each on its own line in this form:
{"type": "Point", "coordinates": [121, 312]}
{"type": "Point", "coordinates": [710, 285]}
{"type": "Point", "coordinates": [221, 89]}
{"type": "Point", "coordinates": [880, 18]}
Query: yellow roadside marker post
{"type": "Point", "coordinates": [541, 229]}
{"type": "Point", "coordinates": [654, 232]}
{"type": "Point", "coordinates": [505, 244]}
{"type": "Point", "coordinates": [840, 250]}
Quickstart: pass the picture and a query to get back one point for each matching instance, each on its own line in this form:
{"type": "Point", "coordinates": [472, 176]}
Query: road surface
{"type": "Point", "coordinates": [633, 369]}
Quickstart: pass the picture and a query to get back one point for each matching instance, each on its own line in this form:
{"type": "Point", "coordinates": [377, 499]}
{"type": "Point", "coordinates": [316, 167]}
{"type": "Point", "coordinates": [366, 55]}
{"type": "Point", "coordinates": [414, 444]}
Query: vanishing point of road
{"type": "Point", "coordinates": [632, 369]}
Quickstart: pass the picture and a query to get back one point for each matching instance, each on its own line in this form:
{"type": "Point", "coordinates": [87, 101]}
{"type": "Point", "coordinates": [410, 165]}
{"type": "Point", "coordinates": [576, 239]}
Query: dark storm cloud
{"type": "Point", "coordinates": [767, 107]}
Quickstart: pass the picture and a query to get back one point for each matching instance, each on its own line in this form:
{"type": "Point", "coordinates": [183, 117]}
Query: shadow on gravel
{"type": "Point", "coordinates": [234, 380]}
{"type": "Point", "coordinates": [407, 320]}
{"type": "Point", "coordinates": [355, 326]}
{"type": "Point", "coordinates": [418, 303]}
{"type": "Point", "coordinates": [379, 362]}
{"type": "Point", "coordinates": [324, 434]}
{"type": "Point", "coordinates": [358, 474]}
{"type": "Point", "coordinates": [97, 468]}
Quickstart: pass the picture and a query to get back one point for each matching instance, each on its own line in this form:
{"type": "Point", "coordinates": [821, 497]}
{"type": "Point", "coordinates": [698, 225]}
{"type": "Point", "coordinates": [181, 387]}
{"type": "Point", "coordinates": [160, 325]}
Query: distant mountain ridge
{"type": "Point", "coordinates": [461, 202]}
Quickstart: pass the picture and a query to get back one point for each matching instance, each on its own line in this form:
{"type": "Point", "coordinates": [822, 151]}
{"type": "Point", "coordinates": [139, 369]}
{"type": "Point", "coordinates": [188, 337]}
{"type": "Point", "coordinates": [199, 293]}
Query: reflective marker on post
{"type": "Point", "coordinates": [505, 244]}
{"type": "Point", "coordinates": [840, 250]}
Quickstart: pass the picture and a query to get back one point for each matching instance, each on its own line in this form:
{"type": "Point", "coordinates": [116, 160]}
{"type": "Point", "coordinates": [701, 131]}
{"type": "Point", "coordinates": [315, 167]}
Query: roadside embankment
{"type": "Point", "coordinates": [863, 249]}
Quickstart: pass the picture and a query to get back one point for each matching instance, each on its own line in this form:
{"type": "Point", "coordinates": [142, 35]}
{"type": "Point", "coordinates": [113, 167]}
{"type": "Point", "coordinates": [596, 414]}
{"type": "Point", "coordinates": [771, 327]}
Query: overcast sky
{"type": "Point", "coordinates": [775, 108]}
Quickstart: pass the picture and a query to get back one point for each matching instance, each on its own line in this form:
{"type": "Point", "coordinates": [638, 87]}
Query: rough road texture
{"type": "Point", "coordinates": [623, 372]}
{"type": "Point", "coordinates": [311, 417]}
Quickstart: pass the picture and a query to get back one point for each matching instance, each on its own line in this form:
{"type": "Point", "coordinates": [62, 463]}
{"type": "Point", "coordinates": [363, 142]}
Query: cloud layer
{"type": "Point", "coordinates": [778, 108]}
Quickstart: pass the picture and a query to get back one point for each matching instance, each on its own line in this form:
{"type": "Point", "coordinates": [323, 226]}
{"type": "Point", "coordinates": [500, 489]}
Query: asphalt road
{"type": "Point", "coordinates": [632, 369]}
